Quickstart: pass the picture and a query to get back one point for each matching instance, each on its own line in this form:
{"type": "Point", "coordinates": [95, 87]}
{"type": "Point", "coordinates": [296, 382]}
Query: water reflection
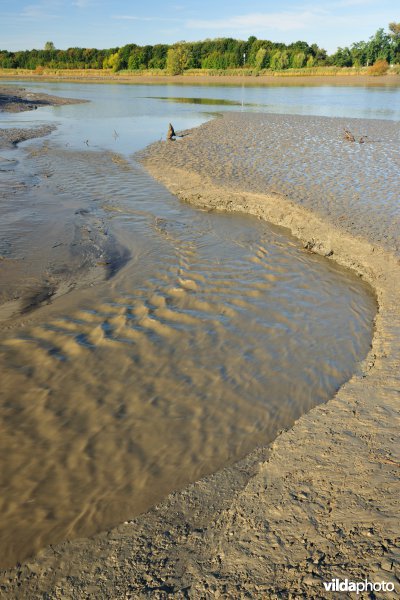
{"type": "Point", "coordinates": [140, 113]}
{"type": "Point", "coordinates": [207, 101]}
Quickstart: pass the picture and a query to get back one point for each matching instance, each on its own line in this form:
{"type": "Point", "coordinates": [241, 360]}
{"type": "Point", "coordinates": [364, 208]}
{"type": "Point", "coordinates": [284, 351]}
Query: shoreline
{"type": "Point", "coordinates": [15, 99]}
{"type": "Point", "coordinates": [320, 502]}
{"type": "Point", "coordinates": [190, 79]}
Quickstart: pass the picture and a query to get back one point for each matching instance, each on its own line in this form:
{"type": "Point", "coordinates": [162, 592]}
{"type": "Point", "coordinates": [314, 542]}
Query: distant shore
{"type": "Point", "coordinates": [148, 77]}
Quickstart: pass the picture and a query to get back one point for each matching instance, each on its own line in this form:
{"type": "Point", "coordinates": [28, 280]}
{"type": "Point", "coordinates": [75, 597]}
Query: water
{"type": "Point", "coordinates": [180, 339]}
{"type": "Point", "coordinates": [139, 114]}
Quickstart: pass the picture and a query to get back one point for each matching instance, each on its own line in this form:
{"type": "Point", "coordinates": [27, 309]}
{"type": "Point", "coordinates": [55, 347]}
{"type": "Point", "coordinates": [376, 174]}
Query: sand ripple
{"type": "Point", "coordinates": [217, 333]}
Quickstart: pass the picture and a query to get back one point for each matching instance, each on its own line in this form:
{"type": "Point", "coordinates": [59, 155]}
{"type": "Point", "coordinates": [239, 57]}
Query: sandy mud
{"type": "Point", "coordinates": [48, 248]}
{"type": "Point", "coordinates": [322, 501]}
{"type": "Point", "coordinates": [36, 272]}
{"type": "Point", "coordinates": [129, 377]}
{"type": "Point", "coordinates": [18, 99]}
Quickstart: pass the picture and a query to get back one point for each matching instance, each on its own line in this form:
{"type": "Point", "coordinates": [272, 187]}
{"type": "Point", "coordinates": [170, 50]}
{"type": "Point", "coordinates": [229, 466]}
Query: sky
{"type": "Point", "coordinates": [109, 23]}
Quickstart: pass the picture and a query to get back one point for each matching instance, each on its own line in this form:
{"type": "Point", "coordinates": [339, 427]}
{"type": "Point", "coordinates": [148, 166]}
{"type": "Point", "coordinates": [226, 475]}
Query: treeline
{"type": "Point", "coordinates": [222, 53]}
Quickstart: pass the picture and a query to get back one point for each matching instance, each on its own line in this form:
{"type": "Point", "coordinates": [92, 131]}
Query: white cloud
{"type": "Point", "coordinates": [317, 19]}
{"type": "Point", "coordinates": [281, 21]}
{"type": "Point", "coordinates": [135, 18]}
{"type": "Point", "coordinates": [350, 3]}
{"type": "Point", "coordinates": [41, 10]}
{"type": "Point", "coordinates": [81, 3]}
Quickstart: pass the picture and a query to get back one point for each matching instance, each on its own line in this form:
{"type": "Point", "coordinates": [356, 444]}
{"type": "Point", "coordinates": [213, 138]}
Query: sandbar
{"type": "Point", "coordinates": [18, 99]}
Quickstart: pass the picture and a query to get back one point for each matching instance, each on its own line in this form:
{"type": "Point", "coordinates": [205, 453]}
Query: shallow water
{"type": "Point", "coordinates": [211, 334]}
{"type": "Point", "coordinates": [125, 117]}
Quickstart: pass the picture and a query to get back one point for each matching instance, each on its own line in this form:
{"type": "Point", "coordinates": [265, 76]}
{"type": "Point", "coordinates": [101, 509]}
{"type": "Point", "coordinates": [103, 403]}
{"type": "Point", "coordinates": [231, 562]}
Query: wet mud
{"type": "Point", "coordinates": [18, 99]}
{"type": "Point", "coordinates": [147, 344]}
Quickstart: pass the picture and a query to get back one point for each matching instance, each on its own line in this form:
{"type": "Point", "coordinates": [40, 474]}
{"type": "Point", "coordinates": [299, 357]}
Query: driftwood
{"type": "Point", "coordinates": [171, 133]}
{"type": "Point", "coordinates": [350, 137]}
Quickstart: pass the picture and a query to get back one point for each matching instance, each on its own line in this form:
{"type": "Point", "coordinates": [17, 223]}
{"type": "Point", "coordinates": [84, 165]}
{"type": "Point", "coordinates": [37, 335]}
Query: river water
{"type": "Point", "coordinates": [149, 343]}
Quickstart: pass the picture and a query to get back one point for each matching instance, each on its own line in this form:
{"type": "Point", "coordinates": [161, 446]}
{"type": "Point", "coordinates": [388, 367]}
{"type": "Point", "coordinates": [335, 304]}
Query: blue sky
{"type": "Point", "coordinates": [109, 23]}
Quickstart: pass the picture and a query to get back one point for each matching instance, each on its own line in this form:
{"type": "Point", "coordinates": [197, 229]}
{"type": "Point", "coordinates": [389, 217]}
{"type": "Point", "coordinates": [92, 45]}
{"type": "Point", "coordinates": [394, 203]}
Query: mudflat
{"type": "Point", "coordinates": [322, 501]}
{"type": "Point", "coordinates": [58, 254]}
{"type": "Point", "coordinates": [18, 99]}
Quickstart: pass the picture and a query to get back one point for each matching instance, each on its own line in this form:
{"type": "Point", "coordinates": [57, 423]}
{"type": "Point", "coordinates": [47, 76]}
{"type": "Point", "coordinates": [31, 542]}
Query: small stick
{"type": "Point", "coordinates": [349, 136]}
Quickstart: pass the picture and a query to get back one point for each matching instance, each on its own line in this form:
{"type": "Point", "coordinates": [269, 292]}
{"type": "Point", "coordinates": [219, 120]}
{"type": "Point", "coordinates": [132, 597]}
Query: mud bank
{"type": "Point", "coordinates": [17, 99]}
{"type": "Point", "coordinates": [28, 284]}
{"type": "Point", "coordinates": [322, 501]}
{"type": "Point", "coordinates": [13, 136]}
{"type": "Point", "coordinates": [48, 248]}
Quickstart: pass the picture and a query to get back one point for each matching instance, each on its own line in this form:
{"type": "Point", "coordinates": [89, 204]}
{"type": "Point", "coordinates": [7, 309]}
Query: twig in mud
{"type": "Point", "coordinates": [171, 135]}
{"type": "Point", "coordinates": [349, 136]}
{"type": "Point", "coordinates": [171, 132]}
{"type": "Point", "coordinates": [385, 459]}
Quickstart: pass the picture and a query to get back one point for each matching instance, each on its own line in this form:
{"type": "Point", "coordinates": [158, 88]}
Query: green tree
{"type": "Point", "coordinates": [342, 58]}
{"type": "Point", "coordinates": [358, 53]}
{"type": "Point", "coordinates": [260, 58]}
{"type": "Point", "coordinates": [279, 60]}
{"type": "Point", "coordinates": [394, 29]}
{"type": "Point", "coordinates": [124, 55]}
{"type": "Point", "coordinates": [310, 61]}
{"type": "Point", "coordinates": [298, 60]}
{"type": "Point", "coordinates": [177, 59]}
{"type": "Point", "coordinates": [112, 62]}
{"type": "Point", "coordinates": [136, 59]}
{"type": "Point", "coordinates": [49, 46]}
{"type": "Point", "coordinates": [379, 47]}
{"type": "Point", "coordinates": [319, 54]}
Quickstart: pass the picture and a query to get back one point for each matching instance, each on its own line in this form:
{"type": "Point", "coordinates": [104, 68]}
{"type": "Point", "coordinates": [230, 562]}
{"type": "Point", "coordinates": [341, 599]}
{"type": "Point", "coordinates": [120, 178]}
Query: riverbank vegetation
{"type": "Point", "coordinates": [379, 55]}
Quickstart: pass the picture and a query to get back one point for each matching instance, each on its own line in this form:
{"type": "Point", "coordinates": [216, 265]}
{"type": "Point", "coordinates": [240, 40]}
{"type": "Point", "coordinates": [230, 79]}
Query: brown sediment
{"type": "Point", "coordinates": [201, 78]}
{"type": "Point", "coordinates": [322, 501]}
{"type": "Point", "coordinates": [13, 136]}
{"type": "Point", "coordinates": [17, 99]}
{"type": "Point", "coordinates": [44, 258]}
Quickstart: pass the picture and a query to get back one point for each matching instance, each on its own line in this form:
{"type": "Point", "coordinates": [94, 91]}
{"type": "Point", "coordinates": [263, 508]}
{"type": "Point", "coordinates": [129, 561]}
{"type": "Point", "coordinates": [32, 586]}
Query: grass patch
{"type": "Point", "coordinates": [109, 74]}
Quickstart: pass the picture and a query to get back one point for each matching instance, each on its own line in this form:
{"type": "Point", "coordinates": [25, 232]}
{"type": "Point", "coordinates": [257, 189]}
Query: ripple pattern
{"type": "Point", "coordinates": [216, 332]}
